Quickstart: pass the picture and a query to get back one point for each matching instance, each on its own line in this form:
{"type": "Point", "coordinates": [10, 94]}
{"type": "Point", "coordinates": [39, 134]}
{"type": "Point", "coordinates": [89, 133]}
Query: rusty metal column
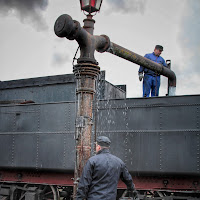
{"type": "Point", "coordinates": [86, 73]}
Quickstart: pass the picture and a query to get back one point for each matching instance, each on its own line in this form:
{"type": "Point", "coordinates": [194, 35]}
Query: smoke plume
{"type": "Point", "coordinates": [59, 59]}
{"type": "Point", "coordinates": [28, 11]}
{"type": "Point", "coordinates": [188, 71]}
{"type": "Point", "coordinates": [127, 6]}
{"type": "Point", "coordinates": [189, 39]}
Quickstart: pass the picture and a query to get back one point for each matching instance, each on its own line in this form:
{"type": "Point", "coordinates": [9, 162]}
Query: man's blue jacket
{"type": "Point", "coordinates": [153, 57]}
{"type": "Point", "coordinates": [100, 177]}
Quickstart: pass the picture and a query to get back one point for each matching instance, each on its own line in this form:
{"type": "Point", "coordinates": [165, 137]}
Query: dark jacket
{"type": "Point", "coordinates": [100, 177]}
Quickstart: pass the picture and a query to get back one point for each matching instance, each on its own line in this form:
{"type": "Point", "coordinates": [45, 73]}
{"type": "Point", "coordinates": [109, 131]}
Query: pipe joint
{"type": "Point", "coordinates": [86, 69]}
{"type": "Point", "coordinates": [75, 31]}
{"type": "Point", "coordinates": [65, 26]}
{"type": "Point", "coordinates": [103, 43]}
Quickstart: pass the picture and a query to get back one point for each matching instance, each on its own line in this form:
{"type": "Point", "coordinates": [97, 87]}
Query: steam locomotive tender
{"type": "Point", "coordinates": [158, 139]}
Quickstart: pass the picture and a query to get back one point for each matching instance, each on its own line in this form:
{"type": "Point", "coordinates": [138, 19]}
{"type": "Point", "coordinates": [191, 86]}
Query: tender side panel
{"type": "Point", "coordinates": [37, 136]}
{"type": "Point", "coordinates": [153, 135]}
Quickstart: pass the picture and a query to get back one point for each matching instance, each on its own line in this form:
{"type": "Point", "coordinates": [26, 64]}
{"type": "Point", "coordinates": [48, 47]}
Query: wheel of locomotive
{"type": "Point", "coordinates": [39, 192]}
{"type": "Point", "coordinates": [49, 192]}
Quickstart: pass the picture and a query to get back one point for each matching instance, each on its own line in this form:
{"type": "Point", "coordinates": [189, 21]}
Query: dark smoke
{"type": "Point", "coordinates": [127, 6]}
{"type": "Point", "coordinates": [28, 11]}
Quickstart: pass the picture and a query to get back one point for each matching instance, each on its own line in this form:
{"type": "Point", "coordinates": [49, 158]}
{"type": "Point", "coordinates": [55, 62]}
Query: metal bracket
{"type": "Point", "coordinates": [80, 122]}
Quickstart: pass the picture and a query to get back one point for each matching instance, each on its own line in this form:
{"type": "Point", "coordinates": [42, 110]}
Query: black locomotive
{"type": "Point", "coordinates": [158, 139]}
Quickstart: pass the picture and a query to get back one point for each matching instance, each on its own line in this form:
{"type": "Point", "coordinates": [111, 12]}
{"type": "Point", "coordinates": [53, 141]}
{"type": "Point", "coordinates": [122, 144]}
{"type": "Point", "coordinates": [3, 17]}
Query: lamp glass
{"type": "Point", "coordinates": [84, 3]}
{"type": "Point", "coordinates": [90, 6]}
{"type": "Point", "coordinates": [92, 3]}
{"type": "Point", "coordinates": [98, 4]}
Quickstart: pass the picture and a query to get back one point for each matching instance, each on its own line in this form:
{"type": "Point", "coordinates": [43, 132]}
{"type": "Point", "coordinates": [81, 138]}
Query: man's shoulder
{"type": "Point", "coordinates": [163, 60]}
{"type": "Point", "coordinates": [97, 157]}
{"type": "Point", "coordinates": [93, 158]}
{"type": "Point", "coordinates": [116, 158]}
{"type": "Point", "coordinates": [148, 55]}
{"type": "Point", "coordinates": [161, 57]}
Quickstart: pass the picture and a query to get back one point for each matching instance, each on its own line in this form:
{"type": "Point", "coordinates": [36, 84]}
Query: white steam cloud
{"type": "Point", "coordinates": [127, 6]}
{"type": "Point", "coordinates": [189, 39]}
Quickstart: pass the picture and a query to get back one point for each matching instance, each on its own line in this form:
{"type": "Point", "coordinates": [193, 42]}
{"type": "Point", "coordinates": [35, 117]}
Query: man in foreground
{"type": "Point", "coordinates": [101, 174]}
{"type": "Point", "coordinates": [151, 80]}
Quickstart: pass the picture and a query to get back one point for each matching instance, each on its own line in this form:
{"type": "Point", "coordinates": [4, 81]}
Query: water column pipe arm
{"type": "Point", "coordinates": [66, 27]}
{"type": "Point", "coordinates": [149, 64]}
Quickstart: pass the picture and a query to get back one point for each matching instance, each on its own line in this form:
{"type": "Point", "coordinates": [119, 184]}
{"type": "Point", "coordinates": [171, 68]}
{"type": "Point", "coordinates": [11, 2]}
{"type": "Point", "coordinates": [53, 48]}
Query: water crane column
{"type": "Point", "coordinates": [86, 72]}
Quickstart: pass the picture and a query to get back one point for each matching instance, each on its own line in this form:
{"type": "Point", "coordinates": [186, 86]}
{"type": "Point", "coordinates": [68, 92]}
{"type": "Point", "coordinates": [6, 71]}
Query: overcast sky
{"type": "Point", "coordinates": [29, 48]}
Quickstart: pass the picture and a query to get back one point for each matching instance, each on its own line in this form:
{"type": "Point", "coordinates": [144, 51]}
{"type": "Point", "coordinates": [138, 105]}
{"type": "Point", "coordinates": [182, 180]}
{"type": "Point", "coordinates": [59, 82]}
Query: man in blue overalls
{"type": "Point", "coordinates": [151, 80]}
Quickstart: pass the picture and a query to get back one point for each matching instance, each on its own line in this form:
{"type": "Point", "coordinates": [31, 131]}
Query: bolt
{"type": "Point", "coordinates": [195, 183]}
{"type": "Point", "coordinates": [165, 182]}
{"type": "Point", "coordinates": [19, 176]}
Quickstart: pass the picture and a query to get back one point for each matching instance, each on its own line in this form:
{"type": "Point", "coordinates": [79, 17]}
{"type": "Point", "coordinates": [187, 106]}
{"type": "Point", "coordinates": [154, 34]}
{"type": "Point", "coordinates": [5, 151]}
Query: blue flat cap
{"type": "Point", "coordinates": [103, 141]}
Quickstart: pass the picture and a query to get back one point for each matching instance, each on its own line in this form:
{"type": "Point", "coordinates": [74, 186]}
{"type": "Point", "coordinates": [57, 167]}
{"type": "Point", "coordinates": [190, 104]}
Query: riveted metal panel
{"type": "Point", "coordinates": [54, 117]}
{"type": "Point", "coordinates": [144, 156]}
{"type": "Point", "coordinates": [24, 150]}
{"type": "Point", "coordinates": [7, 119]}
{"type": "Point", "coordinates": [53, 89]}
{"type": "Point", "coordinates": [19, 118]}
{"type": "Point", "coordinates": [55, 151]}
{"type": "Point", "coordinates": [40, 90]}
{"type": "Point", "coordinates": [179, 152]}
{"type": "Point", "coordinates": [159, 135]}
{"type": "Point", "coordinates": [6, 142]}
{"type": "Point", "coordinates": [136, 119]}
{"type": "Point", "coordinates": [27, 118]}
{"type": "Point", "coordinates": [138, 150]}
{"type": "Point", "coordinates": [157, 152]}
{"type": "Point", "coordinates": [42, 136]}
{"type": "Point", "coordinates": [151, 135]}
{"type": "Point", "coordinates": [179, 117]}
{"type": "Point", "coordinates": [41, 94]}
